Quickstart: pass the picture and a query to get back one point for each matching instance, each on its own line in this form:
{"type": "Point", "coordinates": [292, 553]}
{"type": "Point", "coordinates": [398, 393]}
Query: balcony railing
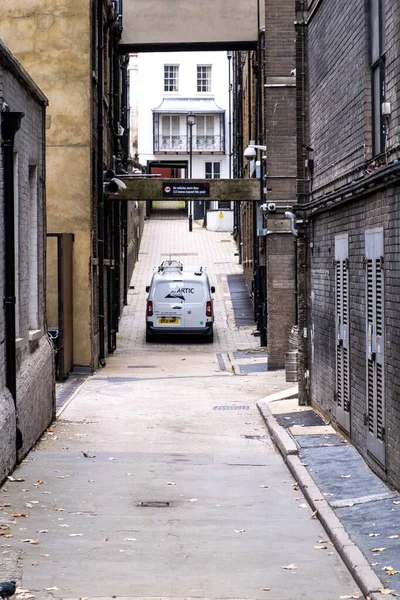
{"type": "Point", "coordinates": [200, 143]}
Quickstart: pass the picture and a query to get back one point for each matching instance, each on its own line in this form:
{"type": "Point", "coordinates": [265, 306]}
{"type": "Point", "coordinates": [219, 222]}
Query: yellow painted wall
{"type": "Point", "coordinates": [51, 39]}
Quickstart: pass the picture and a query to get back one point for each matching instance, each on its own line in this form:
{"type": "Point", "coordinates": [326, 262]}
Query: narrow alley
{"type": "Point", "coordinates": [159, 479]}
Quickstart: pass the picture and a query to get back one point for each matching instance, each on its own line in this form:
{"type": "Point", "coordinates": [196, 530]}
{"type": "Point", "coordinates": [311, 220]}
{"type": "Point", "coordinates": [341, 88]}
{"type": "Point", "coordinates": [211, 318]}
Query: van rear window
{"type": "Point", "coordinates": [168, 291]}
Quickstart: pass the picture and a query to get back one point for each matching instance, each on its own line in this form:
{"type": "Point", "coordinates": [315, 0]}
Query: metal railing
{"type": "Point", "coordinates": [200, 143]}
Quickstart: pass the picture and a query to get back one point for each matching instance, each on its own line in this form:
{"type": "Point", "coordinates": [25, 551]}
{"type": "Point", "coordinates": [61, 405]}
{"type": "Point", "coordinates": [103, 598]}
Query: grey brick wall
{"type": "Point", "coordinates": [281, 170]}
{"type": "Point", "coordinates": [339, 89]}
{"type": "Point", "coordinates": [34, 355]}
{"type": "Point", "coordinates": [340, 126]}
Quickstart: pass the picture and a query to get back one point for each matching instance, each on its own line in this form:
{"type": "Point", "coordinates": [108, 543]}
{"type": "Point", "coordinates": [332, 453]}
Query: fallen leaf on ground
{"type": "Point", "coordinates": [112, 458]}
{"type": "Point", "coordinates": [35, 564]}
{"type": "Point", "coordinates": [39, 482]}
{"type": "Point", "coordinates": [192, 500]}
{"type": "Point", "coordinates": [51, 589]}
{"type": "Point", "coordinates": [45, 555]}
{"type": "Point", "coordinates": [322, 541]}
{"type": "Point", "coordinates": [386, 592]}
{"type": "Point", "coordinates": [239, 530]}
{"type": "Point", "coordinates": [26, 515]}
{"type": "Point", "coordinates": [171, 483]}
{"type": "Point", "coordinates": [16, 479]}
{"type": "Point", "coordinates": [62, 476]}
{"type": "Point", "coordinates": [29, 541]}
{"type": "Point", "coordinates": [393, 537]}
{"type": "Point", "coordinates": [304, 505]}
{"type": "Point", "coordinates": [373, 534]}
{"type": "Point", "coordinates": [350, 597]}
{"type": "Point", "coordinates": [129, 539]}
{"type": "Point", "coordinates": [346, 477]}
{"type": "Point", "coordinates": [43, 531]}
{"type": "Point", "coordinates": [378, 549]}
{"type": "Point", "coordinates": [289, 567]}
{"type": "Point", "coordinates": [396, 501]}
{"type": "Point", "coordinates": [75, 534]}
{"type": "Point", "coordinates": [264, 486]}
{"type": "Point", "coordinates": [321, 547]}
{"type": "Point", "coordinates": [265, 589]}
{"type": "Point", "coordinates": [87, 455]}
{"type": "Point", "coordinates": [314, 514]}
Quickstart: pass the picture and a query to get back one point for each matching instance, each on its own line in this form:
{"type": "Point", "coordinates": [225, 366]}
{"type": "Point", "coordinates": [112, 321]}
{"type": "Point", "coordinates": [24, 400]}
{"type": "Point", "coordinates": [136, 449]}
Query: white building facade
{"type": "Point", "coordinates": [164, 89]}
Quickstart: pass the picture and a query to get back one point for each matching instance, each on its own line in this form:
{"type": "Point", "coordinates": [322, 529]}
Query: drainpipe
{"type": "Point", "coordinates": [10, 123]}
{"type": "Point", "coordinates": [100, 194]}
{"type": "Point", "coordinates": [293, 229]}
{"type": "Point", "coordinates": [124, 205]}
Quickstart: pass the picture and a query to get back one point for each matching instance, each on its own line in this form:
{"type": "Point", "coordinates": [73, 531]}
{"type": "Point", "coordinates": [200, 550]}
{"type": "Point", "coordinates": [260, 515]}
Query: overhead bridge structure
{"type": "Point", "coordinates": [169, 25]}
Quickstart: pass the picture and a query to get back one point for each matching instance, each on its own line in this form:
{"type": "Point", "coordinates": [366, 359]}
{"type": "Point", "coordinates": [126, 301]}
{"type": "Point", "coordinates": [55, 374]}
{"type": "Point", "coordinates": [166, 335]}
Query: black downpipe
{"type": "Point", "coordinates": [10, 123]}
{"type": "Point", "coordinates": [100, 194]}
{"type": "Point", "coordinates": [124, 205]}
{"type": "Point", "coordinates": [116, 238]}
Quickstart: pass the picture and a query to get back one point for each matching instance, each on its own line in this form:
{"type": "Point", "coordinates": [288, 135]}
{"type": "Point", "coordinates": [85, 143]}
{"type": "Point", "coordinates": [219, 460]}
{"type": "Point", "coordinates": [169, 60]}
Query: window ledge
{"type": "Point", "coordinates": [35, 334]}
{"type": "Point", "coordinates": [19, 342]}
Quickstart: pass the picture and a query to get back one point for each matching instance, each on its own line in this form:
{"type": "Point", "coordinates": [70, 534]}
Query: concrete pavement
{"type": "Point", "coordinates": [160, 480]}
{"type": "Point", "coordinates": [358, 511]}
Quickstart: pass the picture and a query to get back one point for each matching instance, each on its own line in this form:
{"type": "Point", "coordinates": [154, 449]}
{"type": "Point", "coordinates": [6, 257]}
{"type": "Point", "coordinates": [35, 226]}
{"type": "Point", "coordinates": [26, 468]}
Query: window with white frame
{"type": "Point", "coordinates": [170, 131]}
{"type": "Point", "coordinates": [205, 132]}
{"type": "Point", "coordinates": [204, 78]}
{"type": "Point", "coordinates": [171, 78]}
{"type": "Point", "coordinates": [212, 170]}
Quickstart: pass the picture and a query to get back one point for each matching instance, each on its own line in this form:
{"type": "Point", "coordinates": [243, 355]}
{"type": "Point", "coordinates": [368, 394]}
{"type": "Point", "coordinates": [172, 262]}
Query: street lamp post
{"type": "Point", "coordinates": [190, 121]}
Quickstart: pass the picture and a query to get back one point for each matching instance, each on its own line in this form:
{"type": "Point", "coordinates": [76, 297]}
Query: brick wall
{"type": "Point", "coordinates": [281, 170]}
{"type": "Point", "coordinates": [340, 126]}
{"type": "Point", "coordinates": [339, 90]}
{"type": "Point", "coordinates": [35, 398]}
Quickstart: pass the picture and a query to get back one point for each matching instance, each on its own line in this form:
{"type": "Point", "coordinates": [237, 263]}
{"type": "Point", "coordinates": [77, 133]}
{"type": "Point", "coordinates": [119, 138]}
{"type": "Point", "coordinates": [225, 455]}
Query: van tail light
{"type": "Point", "coordinates": [208, 309]}
{"type": "Point", "coordinates": [149, 308]}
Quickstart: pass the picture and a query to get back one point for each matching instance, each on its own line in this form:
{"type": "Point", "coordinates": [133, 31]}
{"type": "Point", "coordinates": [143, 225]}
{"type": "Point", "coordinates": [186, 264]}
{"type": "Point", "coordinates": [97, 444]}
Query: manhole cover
{"type": "Point", "coordinates": [231, 407]}
{"type": "Point", "coordinates": [153, 504]}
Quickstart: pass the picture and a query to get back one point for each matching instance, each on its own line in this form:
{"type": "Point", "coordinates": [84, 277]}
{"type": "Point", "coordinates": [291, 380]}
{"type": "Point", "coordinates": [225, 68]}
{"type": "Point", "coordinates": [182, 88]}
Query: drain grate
{"type": "Point", "coordinates": [231, 407]}
{"type": "Point", "coordinates": [180, 254]}
{"type": "Point", "coordinates": [153, 504]}
{"type": "Point", "coordinates": [221, 362]}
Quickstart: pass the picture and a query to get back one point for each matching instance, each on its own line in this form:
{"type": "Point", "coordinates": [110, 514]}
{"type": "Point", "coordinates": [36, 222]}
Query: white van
{"type": "Point", "coordinates": [179, 302]}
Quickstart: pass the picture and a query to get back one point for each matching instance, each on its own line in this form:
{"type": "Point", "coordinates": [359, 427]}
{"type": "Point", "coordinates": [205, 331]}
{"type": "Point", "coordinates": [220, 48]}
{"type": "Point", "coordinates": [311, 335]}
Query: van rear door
{"type": "Point", "coordinates": [194, 293]}
{"type": "Point", "coordinates": [168, 304]}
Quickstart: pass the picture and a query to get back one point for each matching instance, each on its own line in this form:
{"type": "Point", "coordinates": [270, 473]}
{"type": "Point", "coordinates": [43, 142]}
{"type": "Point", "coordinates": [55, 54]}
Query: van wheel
{"type": "Point", "coordinates": [210, 338]}
{"type": "Point", "coordinates": [149, 337]}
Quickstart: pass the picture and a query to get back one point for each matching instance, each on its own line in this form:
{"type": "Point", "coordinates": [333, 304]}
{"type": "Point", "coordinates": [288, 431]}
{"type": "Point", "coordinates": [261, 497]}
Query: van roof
{"type": "Point", "coordinates": [190, 272]}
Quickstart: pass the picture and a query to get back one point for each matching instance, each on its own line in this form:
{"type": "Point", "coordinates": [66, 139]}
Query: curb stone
{"type": "Point", "coordinates": [359, 567]}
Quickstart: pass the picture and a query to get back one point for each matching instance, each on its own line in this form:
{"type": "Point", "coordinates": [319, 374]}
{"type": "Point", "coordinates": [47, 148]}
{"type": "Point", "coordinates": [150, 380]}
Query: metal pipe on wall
{"type": "Point", "coordinates": [100, 194]}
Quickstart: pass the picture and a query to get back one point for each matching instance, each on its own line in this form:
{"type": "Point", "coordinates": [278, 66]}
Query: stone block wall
{"type": "Point", "coordinates": [33, 409]}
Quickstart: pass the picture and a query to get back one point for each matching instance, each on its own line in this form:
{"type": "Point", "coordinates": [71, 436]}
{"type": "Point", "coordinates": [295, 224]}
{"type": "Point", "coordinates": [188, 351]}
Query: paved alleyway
{"type": "Point", "coordinates": [159, 478]}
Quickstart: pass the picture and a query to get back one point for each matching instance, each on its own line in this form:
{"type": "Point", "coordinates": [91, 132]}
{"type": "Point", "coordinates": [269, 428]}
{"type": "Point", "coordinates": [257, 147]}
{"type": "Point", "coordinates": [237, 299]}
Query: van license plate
{"type": "Point", "coordinates": [168, 321]}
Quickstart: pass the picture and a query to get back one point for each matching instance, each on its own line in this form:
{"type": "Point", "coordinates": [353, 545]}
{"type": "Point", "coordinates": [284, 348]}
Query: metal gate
{"type": "Point", "coordinates": [375, 418]}
{"type": "Point", "coordinates": [59, 299]}
{"type": "Point", "coordinates": [342, 331]}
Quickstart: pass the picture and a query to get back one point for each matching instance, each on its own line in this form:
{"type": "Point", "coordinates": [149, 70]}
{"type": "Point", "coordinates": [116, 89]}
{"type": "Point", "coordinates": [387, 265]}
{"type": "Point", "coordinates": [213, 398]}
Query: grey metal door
{"type": "Point", "coordinates": [342, 331]}
{"type": "Point", "coordinates": [375, 347]}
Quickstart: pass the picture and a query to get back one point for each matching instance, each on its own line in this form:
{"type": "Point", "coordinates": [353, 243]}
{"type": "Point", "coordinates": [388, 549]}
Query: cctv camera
{"type": "Point", "coordinates": [271, 207]}
{"type": "Point", "coordinates": [250, 153]}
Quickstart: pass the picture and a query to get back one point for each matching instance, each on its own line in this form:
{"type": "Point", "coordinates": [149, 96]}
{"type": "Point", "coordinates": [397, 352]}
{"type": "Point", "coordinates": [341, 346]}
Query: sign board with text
{"type": "Point", "coordinates": [185, 190]}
